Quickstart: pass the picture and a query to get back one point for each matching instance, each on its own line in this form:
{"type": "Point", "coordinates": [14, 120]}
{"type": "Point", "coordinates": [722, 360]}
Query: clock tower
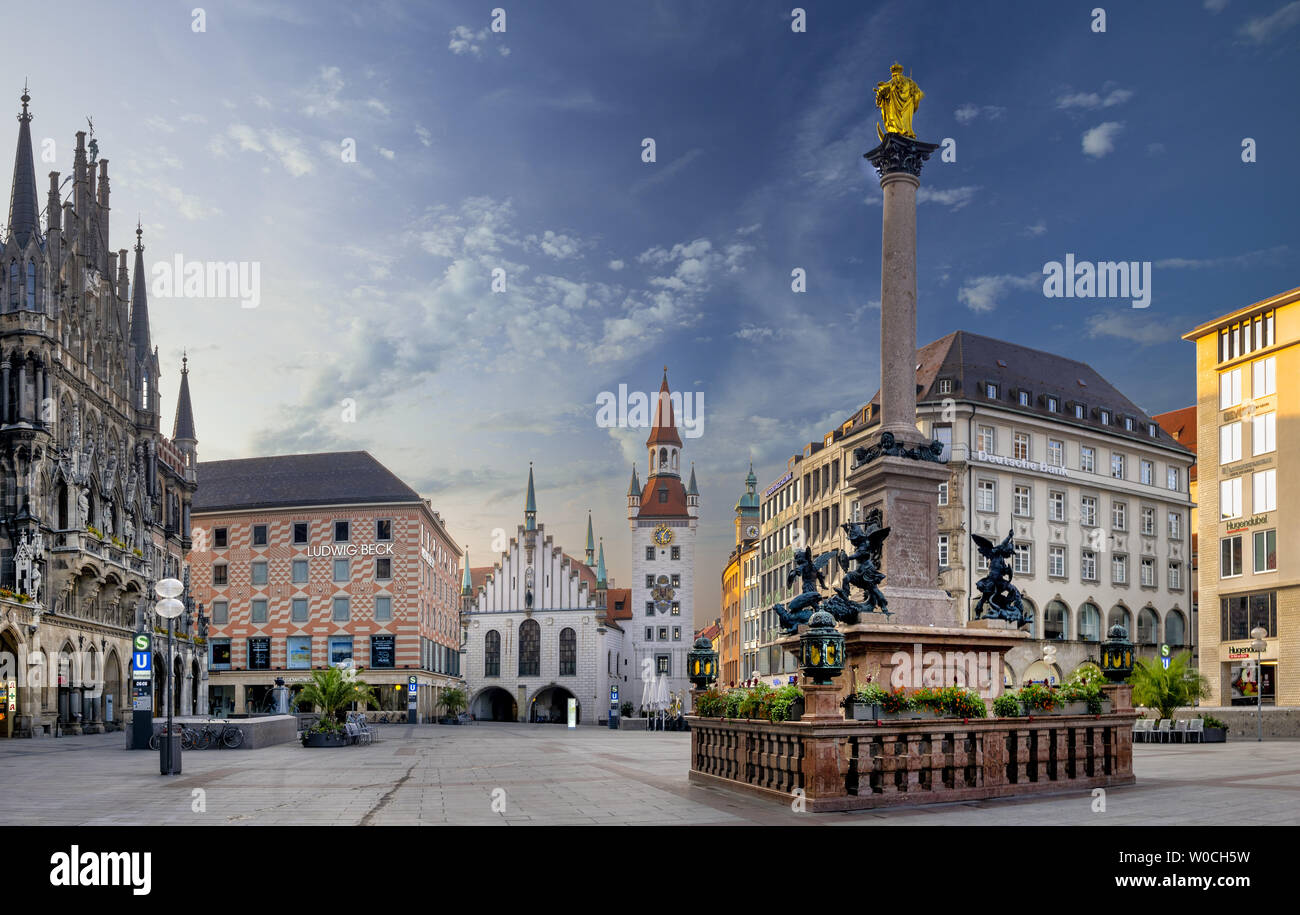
{"type": "Point", "coordinates": [663, 515]}
{"type": "Point", "coordinates": [747, 510]}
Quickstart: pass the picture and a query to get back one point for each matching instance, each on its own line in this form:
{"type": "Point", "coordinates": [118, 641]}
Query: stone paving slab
{"type": "Point", "coordinates": [549, 775]}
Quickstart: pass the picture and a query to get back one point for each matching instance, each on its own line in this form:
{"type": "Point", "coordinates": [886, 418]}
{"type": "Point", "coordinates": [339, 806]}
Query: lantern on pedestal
{"type": "Point", "coordinates": [702, 662]}
{"type": "Point", "coordinates": [821, 649]}
{"type": "Point", "coordinates": [1117, 655]}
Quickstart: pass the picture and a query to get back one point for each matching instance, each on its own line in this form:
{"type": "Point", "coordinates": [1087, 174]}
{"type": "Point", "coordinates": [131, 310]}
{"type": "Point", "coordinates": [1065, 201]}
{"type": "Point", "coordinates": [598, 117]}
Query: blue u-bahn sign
{"type": "Point", "coordinates": [142, 657]}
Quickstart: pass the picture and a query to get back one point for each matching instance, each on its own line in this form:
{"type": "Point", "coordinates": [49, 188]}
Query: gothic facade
{"type": "Point", "coordinates": [94, 500]}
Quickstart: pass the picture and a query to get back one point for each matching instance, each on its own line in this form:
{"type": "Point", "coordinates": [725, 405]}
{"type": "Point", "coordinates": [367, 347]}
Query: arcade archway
{"type": "Point", "coordinates": [494, 704]}
{"type": "Point", "coordinates": [550, 705]}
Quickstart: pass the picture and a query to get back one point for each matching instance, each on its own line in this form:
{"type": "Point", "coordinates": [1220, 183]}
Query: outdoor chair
{"type": "Point", "coordinates": [1180, 730]}
{"type": "Point", "coordinates": [1196, 728]}
{"type": "Point", "coordinates": [1165, 729]}
{"type": "Point", "coordinates": [352, 730]}
{"type": "Point", "coordinates": [1142, 729]}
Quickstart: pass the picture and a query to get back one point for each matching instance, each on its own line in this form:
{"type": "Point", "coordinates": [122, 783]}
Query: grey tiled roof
{"type": "Point", "coordinates": [331, 478]}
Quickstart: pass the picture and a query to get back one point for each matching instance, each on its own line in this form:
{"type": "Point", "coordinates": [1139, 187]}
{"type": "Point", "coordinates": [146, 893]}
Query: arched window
{"type": "Point", "coordinates": [1090, 623]}
{"type": "Point", "coordinates": [14, 285]}
{"type": "Point", "coordinates": [1148, 627]}
{"type": "Point", "coordinates": [568, 653]}
{"type": "Point", "coordinates": [492, 654]}
{"type": "Point", "coordinates": [1175, 629]}
{"type": "Point", "coordinates": [1056, 621]}
{"type": "Point", "coordinates": [31, 285]}
{"type": "Point", "coordinates": [1119, 615]}
{"type": "Point", "coordinates": [530, 649]}
{"type": "Point", "coordinates": [144, 391]}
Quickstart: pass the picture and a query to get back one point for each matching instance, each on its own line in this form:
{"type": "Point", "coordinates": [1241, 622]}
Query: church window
{"type": "Point", "coordinates": [492, 654]}
{"type": "Point", "coordinates": [568, 653]}
{"type": "Point", "coordinates": [530, 649]}
{"type": "Point", "coordinates": [13, 285]}
{"type": "Point", "coordinates": [31, 285]}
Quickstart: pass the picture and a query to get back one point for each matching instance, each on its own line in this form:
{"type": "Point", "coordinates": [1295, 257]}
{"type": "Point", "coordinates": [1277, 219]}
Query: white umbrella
{"type": "Point", "coordinates": [661, 698]}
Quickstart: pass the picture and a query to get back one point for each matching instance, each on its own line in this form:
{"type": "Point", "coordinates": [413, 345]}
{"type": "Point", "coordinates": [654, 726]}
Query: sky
{"type": "Point", "coordinates": [381, 164]}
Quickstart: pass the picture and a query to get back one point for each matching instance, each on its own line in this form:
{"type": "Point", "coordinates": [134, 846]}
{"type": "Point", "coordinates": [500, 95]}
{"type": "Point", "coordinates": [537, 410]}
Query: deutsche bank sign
{"type": "Point", "coordinates": [142, 657]}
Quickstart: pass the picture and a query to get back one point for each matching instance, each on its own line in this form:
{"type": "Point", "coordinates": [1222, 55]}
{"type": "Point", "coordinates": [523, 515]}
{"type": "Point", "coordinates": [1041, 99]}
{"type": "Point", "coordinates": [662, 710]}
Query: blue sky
{"type": "Point", "coordinates": [522, 151]}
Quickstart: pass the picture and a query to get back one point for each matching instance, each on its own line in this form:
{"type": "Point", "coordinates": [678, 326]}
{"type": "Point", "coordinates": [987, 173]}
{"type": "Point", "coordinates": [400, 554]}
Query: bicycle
{"type": "Point", "coordinates": [230, 737]}
{"type": "Point", "coordinates": [189, 737]}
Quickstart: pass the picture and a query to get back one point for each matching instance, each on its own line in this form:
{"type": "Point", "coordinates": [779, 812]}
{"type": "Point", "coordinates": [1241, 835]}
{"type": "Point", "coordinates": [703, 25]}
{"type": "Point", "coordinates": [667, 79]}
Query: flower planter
{"type": "Point", "coordinates": [925, 714]}
{"type": "Point", "coordinates": [1215, 735]}
{"type": "Point", "coordinates": [860, 711]}
{"type": "Point", "coordinates": [325, 739]}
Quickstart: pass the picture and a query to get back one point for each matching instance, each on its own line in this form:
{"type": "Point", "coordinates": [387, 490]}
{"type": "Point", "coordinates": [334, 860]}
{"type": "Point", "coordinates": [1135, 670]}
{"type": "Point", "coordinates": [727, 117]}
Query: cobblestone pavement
{"type": "Point", "coordinates": [546, 774]}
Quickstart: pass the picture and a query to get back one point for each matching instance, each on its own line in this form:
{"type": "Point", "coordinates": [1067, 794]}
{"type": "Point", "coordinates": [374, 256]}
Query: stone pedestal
{"type": "Point", "coordinates": [822, 703]}
{"type": "Point", "coordinates": [907, 493]}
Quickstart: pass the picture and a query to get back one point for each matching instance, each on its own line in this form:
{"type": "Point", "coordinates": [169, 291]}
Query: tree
{"type": "Point", "coordinates": [452, 701]}
{"type": "Point", "coordinates": [1167, 690]}
{"type": "Point", "coordinates": [332, 691]}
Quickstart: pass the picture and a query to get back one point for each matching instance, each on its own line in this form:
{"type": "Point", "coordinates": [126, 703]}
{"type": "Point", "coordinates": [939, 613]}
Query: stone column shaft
{"type": "Point", "coordinates": [898, 306]}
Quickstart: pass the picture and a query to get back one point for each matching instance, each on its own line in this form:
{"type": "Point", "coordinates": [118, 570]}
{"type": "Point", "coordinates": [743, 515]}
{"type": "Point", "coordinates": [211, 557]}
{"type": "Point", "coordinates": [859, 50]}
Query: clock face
{"type": "Point", "coordinates": [663, 535]}
{"type": "Point", "coordinates": [751, 531]}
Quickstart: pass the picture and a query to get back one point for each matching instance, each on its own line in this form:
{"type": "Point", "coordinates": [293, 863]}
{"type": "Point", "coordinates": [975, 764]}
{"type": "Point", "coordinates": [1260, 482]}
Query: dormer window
{"type": "Point", "coordinates": [1128, 423]}
{"type": "Point", "coordinates": [990, 390]}
{"type": "Point", "coordinates": [1053, 405]}
{"type": "Point", "coordinates": [1080, 411]}
{"type": "Point", "coordinates": [1104, 416]}
{"type": "Point", "coordinates": [1024, 398]}
{"type": "Point", "coordinates": [945, 385]}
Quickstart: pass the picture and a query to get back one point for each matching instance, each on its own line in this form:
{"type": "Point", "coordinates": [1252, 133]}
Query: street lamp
{"type": "Point", "coordinates": [169, 608]}
{"type": "Point", "coordinates": [1259, 633]}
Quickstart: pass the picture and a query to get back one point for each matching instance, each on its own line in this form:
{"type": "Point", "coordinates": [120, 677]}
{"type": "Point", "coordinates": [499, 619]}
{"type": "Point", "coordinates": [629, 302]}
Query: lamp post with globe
{"type": "Point", "coordinates": [168, 607]}
{"type": "Point", "coordinates": [1259, 633]}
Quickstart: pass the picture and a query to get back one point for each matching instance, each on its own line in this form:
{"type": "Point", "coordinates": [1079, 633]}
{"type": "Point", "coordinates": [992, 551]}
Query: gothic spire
{"type": "Point", "coordinates": [24, 206]}
{"type": "Point", "coordinates": [664, 431]}
{"type": "Point", "coordinates": [183, 430]}
{"type": "Point", "coordinates": [139, 301]}
{"type": "Point", "coordinates": [601, 578]}
{"type": "Point", "coordinates": [591, 541]}
{"type": "Point", "coordinates": [530, 503]}
{"type": "Point", "coordinates": [634, 488]}
{"type": "Point", "coordinates": [466, 585]}
{"type": "Point", "coordinates": [692, 489]}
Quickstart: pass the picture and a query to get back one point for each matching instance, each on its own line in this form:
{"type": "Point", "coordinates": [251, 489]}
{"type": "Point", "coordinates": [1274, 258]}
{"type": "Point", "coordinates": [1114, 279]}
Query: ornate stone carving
{"type": "Point", "coordinates": [897, 153]}
{"type": "Point", "coordinates": [888, 445]}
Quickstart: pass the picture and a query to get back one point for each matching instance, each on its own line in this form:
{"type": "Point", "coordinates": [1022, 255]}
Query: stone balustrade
{"type": "Point", "coordinates": [847, 765]}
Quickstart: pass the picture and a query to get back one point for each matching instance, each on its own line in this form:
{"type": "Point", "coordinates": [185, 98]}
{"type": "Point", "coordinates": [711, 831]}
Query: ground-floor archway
{"type": "Point", "coordinates": [494, 704]}
{"type": "Point", "coordinates": [551, 705]}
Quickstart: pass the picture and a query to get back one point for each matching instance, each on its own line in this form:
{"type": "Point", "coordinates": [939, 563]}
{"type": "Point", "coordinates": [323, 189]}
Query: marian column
{"type": "Point", "coordinates": [900, 472]}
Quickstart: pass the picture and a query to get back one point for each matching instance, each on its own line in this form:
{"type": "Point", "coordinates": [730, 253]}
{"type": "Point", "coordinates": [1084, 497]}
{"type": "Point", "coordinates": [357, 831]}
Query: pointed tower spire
{"type": "Point", "coordinates": [591, 541]}
{"type": "Point", "coordinates": [466, 585]}
{"type": "Point", "coordinates": [530, 503]}
{"type": "Point", "coordinates": [634, 488]}
{"type": "Point", "coordinates": [692, 489]}
{"type": "Point", "coordinates": [24, 206]}
{"type": "Point", "coordinates": [601, 578]}
{"type": "Point", "coordinates": [183, 428]}
{"type": "Point", "coordinates": [139, 300]}
{"type": "Point", "coordinates": [664, 430]}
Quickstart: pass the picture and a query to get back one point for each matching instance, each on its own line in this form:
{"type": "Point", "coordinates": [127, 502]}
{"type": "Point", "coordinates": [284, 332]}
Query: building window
{"type": "Point", "coordinates": [1264, 381]}
{"type": "Point", "coordinates": [1148, 573]}
{"type": "Point", "coordinates": [568, 653]}
{"type": "Point", "coordinates": [341, 571]}
{"type": "Point", "coordinates": [1053, 405]}
{"type": "Point", "coordinates": [259, 535]}
{"type": "Point", "coordinates": [1175, 526]}
{"type": "Point", "coordinates": [383, 529]}
{"type": "Point", "coordinates": [943, 493]}
{"type": "Point", "coordinates": [649, 608]}
{"type": "Point", "coordinates": [649, 552]}
{"type": "Point", "coordinates": [675, 553]}
{"type": "Point", "coordinates": [663, 665]}
{"type": "Point", "coordinates": [981, 563]}
{"type": "Point", "coordinates": [943, 551]}
{"type": "Point", "coordinates": [987, 440]}
{"type": "Point", "coordinates": [299, 571]}
{"type": "Point", "coordinates": [298, 652]}
{"type": "Point", "coordinates": [300, 529]}
{"type": "Point", "coordinates": [383, 608]}
{"type": "Point", "coordinates": [1088, 511]}
{"type": "Point", "coordinates": [1148, 521]}
{"type": "Point", "coordinates": [1055, 505]}
{"type": "Point", "coordinates": [1117, 466]}
{"type": "Point", "coordinates": [219, 574]}
{"type": "Point", "coordinates": [1171, 478]}
{"type": "Point", "coordinates": [1243, 612]}
{"type": "Point", "coordinates": [259, 654]}
{"type": "Point", "coordinates": [1088, 565]}
{"type": "Point", "coordinates": [1087, 459]}
{"type": "Point", "coordinates": [1080, 411]}
{"type": "Point", "coordinates": [220, 613]}
{"type": "Point", "coordinates": [1175, 576]}
{"type": "Point", "coordinates": [1128, 424]}
{"type": "Point", "coordinates": [676, 608]}
{"type": "Point", "coordinates": [1119, 569]}
{"type": "Point", "coordinates": [1023, 560]}
{"type": "Point", "coordinates": [530, 649]}
{"type": "Point", "coordinates": [1230, 498]}
{"type": "Point", "coordinates": [340, 649]}
{"type": "Point", "coordinates": [677, 633]}
{"type": "Point", "coordinates": [1265, 551]}
{"type": "Point", "coordinates": [299, 610]}
{"type": "Point", "coordinates": [677, 581]}
{"type": "Point", "coordinates": [1055, 621]}
{"type": "Point", "coordinates": [1119, 515]}
{"type": "Point", "coordinates": [342, 609]}
{"type": "Point", "coordinates": [1024, 498]}
{"type": "Point", "coordinates": [220, 538]}
{"type": "Point", "coordinates": [945, 385]}
{"type": "Point", "coordinates": [492, 654]}
{"type": "Point", "coordinates": [1263, 434]}
{"type": "Point", "coordinates": [1265, 491]}
{"type": "Point", "coordinates": [259, 610]}
{"type": "Point", "coordinates": [1055, 453]}
{"type": "Point", "coordinates": [986, 496]}
{"type": "Point", "coordinates": [1230, 557]}
{"type": "Point", "coordinates": [649, 634]}
{"type": "Point", "coordinates": [1056, 561]}
{"type": "Point", "coordinates": [383, 568]}
{"type": "Point", "coordinates": [1230, 389]}
{"type": "Point", "coordinates": [1025, 398]}
{"type": "Point", "coordinates": [1020, 446]}
{"type": "Point", "coordinates": [257, 570]}
{"type": "Point", "coordinates": [1104, 417]}
{"type": "Point", "coordinates": [1148, 473]}
{"type": "Point", "coordinates": [1230, 443]}
{"type": "Point", "coordinates": [342, 531]}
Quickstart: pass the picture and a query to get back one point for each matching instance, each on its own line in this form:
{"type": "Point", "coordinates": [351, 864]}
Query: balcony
{"type": "Point", "coordinates": [75, 541]}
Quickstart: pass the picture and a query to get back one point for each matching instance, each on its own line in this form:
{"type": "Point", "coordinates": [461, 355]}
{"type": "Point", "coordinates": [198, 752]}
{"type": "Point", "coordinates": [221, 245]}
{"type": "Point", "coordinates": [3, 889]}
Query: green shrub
{"type": "Point", "coordinates": [710, 704]}
{"type": "Point", "coordinates": [870, 694]}
{"type": "Point", "coordinates": [782, 701]}
{"type": "Point", "coordinates": [1006, 706]}
{"type": "Point", "coordinates": [731, 703]}
{"type": "Point", "coordinates": [960, 702]}
{"type": "Point", "coordinates": [1212, 722]}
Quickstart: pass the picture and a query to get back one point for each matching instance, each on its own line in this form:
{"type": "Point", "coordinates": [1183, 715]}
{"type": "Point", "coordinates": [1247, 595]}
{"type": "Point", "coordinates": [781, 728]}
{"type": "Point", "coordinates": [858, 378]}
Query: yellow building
{"type": "Point", "coordinates": [1248, 434]}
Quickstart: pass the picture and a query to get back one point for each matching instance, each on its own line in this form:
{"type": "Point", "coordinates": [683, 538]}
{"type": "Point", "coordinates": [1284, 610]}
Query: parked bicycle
{"type": "Point", "coordinates": [188, 735]}
{"type": "Point", "coordinates": [228, 736]}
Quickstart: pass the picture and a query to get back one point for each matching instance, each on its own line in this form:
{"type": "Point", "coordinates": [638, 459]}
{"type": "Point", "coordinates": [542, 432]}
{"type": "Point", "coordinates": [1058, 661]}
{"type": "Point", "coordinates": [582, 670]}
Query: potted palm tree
{"type": "Point", "coordinates": [1168, 690]}
{"type": "Point", "coordinates": [331, 691]}
{"type": "Point", "coordinates": [453, 703]}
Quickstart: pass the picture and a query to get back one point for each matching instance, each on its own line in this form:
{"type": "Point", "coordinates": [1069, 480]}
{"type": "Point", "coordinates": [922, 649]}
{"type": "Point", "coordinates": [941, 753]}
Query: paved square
{"type": "Point", "coordinates": [545, 774]}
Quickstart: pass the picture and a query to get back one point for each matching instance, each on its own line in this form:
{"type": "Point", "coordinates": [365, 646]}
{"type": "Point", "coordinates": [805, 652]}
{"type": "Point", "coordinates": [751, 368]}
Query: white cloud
{"type": "Point", "coordinates": [952, 197]}
{"type": "Point", "coordinates": [984, 293]}
{"type": "Point", "coordinates": [554, 244]}
{"type": "Point", "coordinates": [465, 40]}
{"type": "Point", "coordinates": [1091, 100]}
{"type": "Point", "coordinates": [616, 265]}
{"type": "Point", "coordinates": [1265, 28]}
{"type": "Point", "coordinates": [969, 112]}
{"type": "Point", "coordinates": [426, 137]}
{"type": "Point", "coordinates": [323, 97]}
{"type": "Point", "coordinates": [387, 153]}
{"type": "Point", "coordinates": [1037, 228]}
{"type": "Point", "coordinates": [1100, 140]}
{"type": "Point", "coordinates": [1130, 325]}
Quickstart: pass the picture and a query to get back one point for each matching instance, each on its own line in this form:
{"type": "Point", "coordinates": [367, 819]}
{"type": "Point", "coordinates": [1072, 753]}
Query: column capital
{"type": "Point", "coordinates": [899, 154]}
